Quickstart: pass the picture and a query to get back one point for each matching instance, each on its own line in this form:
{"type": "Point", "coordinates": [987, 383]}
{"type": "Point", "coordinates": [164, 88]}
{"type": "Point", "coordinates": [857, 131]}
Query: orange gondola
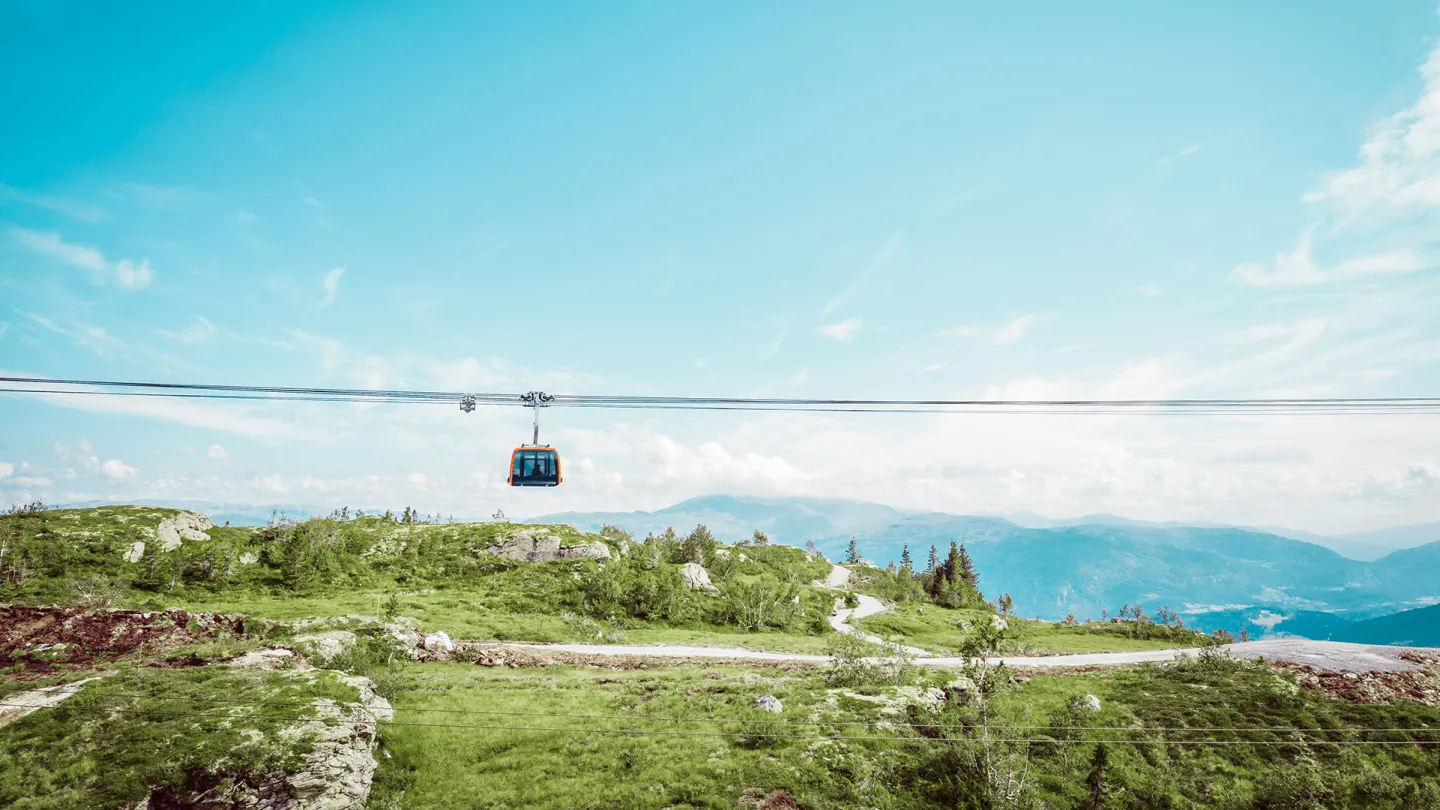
{"type": "Point", "coordinates": [535, 464]}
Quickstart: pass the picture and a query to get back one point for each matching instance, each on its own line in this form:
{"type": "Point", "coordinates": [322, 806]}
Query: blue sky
{"type": "Point", "coordinates": [815, 199]}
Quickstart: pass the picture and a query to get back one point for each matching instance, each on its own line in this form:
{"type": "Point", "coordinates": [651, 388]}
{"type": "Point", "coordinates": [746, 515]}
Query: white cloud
{"type": "Point", "coordinates": [235, 418]}
{"type": "Point", "coordinates": [1183, 152]}
{"type": "Point", "coordinates": [1015, 330]}
{"type": "Point", "coordinates": [29, 481]}
{"type": "Point", "coordinates": [133, 276]}
{"type": "Point", "coordinates": [1399, 167]}
{"type": "Point", "coordinates": [218, 452]}
{"type": "Point", "coordinates": [116, 469]}
{"type": "Point", "coordinates": [6, 469]}
{"type": "Point", "coordinates": [861, 280]}
{"type": "Point", "coordinates": [199, 330]}
{"type": "Point", "coordinates": [332, 286]}
{"type": "Point", "coordinates": [963, 331]}
{"type": "Point", "coordinates": [50, 244]}
{"type": "Point", "coordinates": [70, 208]}
{"type": "Point", "coordinates": [127, 274]}
{"type": "Point", "coordinates": [417, 480]}
{"type": "Point", "coordinates": [843, 330]}
{"type": "Point", "coordinates": [1150, 290]}
{"type": "Point", "coordinates": [1298, 268]}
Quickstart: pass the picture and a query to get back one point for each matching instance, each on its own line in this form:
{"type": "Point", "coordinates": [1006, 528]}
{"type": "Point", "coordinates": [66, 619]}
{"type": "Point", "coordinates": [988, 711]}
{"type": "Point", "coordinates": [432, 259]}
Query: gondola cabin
{"type": "Point", "coordinates": [532, 466]}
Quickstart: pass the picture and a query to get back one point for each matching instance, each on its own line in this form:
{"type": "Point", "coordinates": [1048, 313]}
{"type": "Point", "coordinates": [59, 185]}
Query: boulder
{"type": "Point", "coordinates": [586, 551]}
{"type": "Point", "coordinates": [696, 577]}
{"type": "Point", "coordinates": [184, 526]}
{"type": "Point", "coordinates": [439, 643]}
{"type": "Point", "coordinates": [1089, 703]}
{"type": "Point", "coordinates": [135, 551]}
{"type": "Point", "coordinates": [768, 703]}
{"type": "Point", "coordinates": [1000, 623]}
{"type": "Point", "coordinates": [528, 546]}
{"type": "Point", "coordinates": [338, 770]}
{"type": "Point", "coordinates": [327, 646]}
{"type": "Point", "coordinates": [265, 659]}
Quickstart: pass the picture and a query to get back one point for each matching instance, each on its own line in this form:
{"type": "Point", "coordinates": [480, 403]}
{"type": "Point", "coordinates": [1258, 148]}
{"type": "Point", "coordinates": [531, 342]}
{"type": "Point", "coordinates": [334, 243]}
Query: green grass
{"type": "Point", "coordinates": [143, 727]}
{"type": "Point", "coordinates": [500, 768]}
{"type": "Point", "coordinates": [939, 630]}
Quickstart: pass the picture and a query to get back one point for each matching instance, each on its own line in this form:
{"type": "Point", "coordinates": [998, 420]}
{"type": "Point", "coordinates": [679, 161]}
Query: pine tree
{"type": "Point", "coordinates": [761, 538]}
{"type": "Point", "coordinates": [906, 564]}
{"type": "Point", "coordinates": [1096, 780]}
{"type": "Point", "coordinates": [934, 563]}
{"type": "Point", "coordinates": [952, 567]}
{"type": "Point", "coordinates": [852, 554]}
{"type": "Point", "coordinates": [967, 568]}
{"type": "Point", "coordinates": [810, 548]}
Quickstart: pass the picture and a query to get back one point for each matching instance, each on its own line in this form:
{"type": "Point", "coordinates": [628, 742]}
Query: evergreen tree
{"type": "Point", "coordinates": [761, 538]}
{"type": "Point", "coordinates": [906, 564]}
{"type": "Point", "coordinates": [810, 548]}
{"type": "Point", "coordinates": [966, 568]}
{"type": "Point", "coordinates": [852, 554]}
{"type": "Point", "coordinates": [1096, 780]}
{"type": "Point", "coordinates": [934, 562]}
{"type": "Point", "coordinates": [952, 567]}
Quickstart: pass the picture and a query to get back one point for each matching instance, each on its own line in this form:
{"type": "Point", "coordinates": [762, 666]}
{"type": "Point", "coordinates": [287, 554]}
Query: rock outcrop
{"type": "Point", "coordinates": [768, 703]}
{"type": "Point", "coordinates": [339, 767]}
{"type": "Point", "coordinates": [185, 526]}
{"type": "Point", "coordinates": [696, 577]}
{"type": "Point", "coordinates": [542, 546]}
{"type": "Point", "coordinates": [325, 646]}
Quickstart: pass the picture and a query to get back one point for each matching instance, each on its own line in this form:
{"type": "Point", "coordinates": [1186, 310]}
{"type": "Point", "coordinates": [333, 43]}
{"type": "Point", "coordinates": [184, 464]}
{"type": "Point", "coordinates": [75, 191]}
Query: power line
{"type": "Point", "coordinates": [1267, 406]}
{"type": "Point", "coordinates": [730, 734]}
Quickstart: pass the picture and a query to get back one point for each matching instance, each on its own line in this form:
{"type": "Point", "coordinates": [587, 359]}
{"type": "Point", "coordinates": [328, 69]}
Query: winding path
{"type": "Point", "coordinates": [1331, 656]}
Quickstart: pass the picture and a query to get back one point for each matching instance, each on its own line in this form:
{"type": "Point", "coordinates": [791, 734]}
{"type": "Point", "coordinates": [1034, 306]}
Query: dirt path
{"type": "Point", "coordinates": [1329, 656]}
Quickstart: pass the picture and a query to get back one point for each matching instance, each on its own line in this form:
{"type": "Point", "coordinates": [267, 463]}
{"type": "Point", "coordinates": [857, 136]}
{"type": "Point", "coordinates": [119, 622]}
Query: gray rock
{"type": "Point", "coordinates": [439, 643]}
{"type": "Point", "coordinates": [339, 768]}
{"type": "Point", "coordinates": [265, 659]}
{"type": "Point", "coordinates": [586, 551]}
{"type": "Point", "coordinates": [327, 646]}
{"type": "Point", "coordinates": [1090, 703]}
{"type": "Point", "coordinates": [135, 551]}
{"type": "Point", "coordinates": [528, 546]}
{"type": "Point", "coordinates": [769, 703]}
{"type": "Point", "coordinates": [184, 526]}
{"type": "Point", "coordinates": [696, 577]}
{"type": "Point", "coordinates": [1000, 623]}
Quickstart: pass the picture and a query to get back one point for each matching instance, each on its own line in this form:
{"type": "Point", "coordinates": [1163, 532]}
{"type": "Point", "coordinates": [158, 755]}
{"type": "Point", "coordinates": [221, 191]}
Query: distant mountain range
{"type": "Point", "coordinates": [1095, 563]}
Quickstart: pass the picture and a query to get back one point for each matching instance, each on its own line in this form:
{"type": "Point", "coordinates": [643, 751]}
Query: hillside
{"type": "Point", "coordinates": [429, 701]}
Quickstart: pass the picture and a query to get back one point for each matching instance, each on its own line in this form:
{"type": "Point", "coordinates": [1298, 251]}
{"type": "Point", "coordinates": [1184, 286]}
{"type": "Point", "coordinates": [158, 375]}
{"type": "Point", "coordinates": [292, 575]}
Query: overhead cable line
{"type": "Point", "coordinates": [1007, 727]}
{"type": "Point", "coordinates": [469, 400]}
{"type": "Point", "coordinates": [231, 717]}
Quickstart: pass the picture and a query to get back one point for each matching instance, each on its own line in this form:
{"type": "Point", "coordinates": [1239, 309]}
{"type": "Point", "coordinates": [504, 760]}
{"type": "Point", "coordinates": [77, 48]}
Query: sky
{"type": "Point", "coordinates": [924, 200]}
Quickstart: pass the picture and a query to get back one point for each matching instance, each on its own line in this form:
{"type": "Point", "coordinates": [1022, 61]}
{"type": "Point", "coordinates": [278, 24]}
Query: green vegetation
{"type": "Point", "coordinates": [944, 630]}
{"type": "Point", "coordinates": [889, 743]}
{"type": "Point", "coordinates": [140, 728]}
{"type": "Point", "coordinates": [443, 575]}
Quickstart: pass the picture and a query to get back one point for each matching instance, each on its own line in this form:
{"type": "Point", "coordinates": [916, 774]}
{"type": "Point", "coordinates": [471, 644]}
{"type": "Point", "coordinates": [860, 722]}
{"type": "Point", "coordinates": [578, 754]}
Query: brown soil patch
{"type": "Point", "coordinates": [779, 800]}
{"type": "Point", "coordinates": [1421, 684]}
{"type": "Point", "coordinates": [45, 635]}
